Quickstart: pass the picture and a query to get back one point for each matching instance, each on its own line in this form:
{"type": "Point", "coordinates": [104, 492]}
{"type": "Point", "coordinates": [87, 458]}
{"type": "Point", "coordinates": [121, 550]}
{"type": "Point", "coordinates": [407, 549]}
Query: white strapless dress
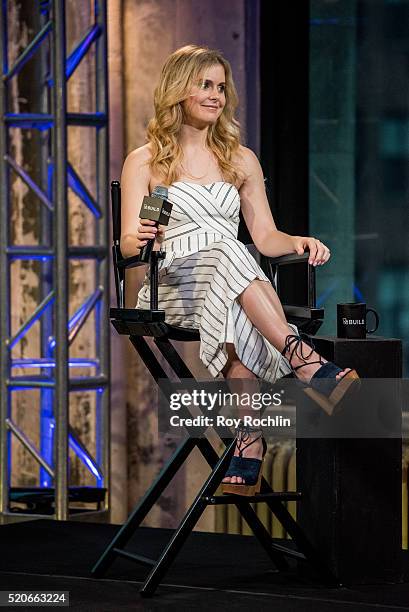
{"type": "Point", "coordinates": [205, 269]}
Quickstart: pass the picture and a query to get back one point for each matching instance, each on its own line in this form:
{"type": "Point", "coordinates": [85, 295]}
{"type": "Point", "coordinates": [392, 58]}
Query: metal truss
{"type": "Point", "coordinates": [58, 330]}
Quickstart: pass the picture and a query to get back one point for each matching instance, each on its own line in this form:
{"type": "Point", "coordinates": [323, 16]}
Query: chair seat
{"type": "Point", "coordinates": [182, 333]}
{"type": "Point", "coordinates": [137, 322]}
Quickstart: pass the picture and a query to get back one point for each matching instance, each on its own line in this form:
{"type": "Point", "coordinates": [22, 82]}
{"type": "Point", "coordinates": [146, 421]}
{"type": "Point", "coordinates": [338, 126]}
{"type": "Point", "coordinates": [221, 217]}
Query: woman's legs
{"type": "Point", "coordinates": [263, 307]}
{"type": "Point", "coordinates": [235, 369]}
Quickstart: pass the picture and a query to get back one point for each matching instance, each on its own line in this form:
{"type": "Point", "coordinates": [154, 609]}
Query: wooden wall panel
{"type": "Point", "coordinates": [152, 29]}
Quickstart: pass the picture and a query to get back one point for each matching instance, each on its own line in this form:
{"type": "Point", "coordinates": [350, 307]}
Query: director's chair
{"type": "Point", "coordinates": [138, 324]}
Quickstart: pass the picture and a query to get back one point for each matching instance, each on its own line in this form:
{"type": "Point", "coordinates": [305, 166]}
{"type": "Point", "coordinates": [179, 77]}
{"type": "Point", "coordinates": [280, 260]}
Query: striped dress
{"type": "Point", "coordinates": [205, 269]}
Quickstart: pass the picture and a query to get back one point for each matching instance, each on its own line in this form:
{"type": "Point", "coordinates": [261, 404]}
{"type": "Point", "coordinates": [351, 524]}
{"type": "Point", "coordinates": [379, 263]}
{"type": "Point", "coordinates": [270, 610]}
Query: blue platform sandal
{"type": "Point", "coordinates": [250, 470]}
{"type": "Point", "coordinates": [323, 388]}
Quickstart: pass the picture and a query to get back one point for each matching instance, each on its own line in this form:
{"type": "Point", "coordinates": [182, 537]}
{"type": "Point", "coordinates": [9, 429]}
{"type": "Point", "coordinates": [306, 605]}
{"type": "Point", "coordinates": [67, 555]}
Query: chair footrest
{"type": "Point", "coordinates": [259, 497]}
{"type": "Point", "coordinates": [134, 557]}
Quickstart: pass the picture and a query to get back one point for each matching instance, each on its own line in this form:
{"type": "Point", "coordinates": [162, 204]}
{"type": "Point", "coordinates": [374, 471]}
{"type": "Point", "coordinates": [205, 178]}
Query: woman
{"type": "Point", "coordinates": [209, 280]}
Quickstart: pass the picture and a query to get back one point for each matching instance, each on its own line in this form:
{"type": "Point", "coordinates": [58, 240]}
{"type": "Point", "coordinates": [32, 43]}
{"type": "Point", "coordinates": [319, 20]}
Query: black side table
{"type": "Point", "coordinates": [351, 507]}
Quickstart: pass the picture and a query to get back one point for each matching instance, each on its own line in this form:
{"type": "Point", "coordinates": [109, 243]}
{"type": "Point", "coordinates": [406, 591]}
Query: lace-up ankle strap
{"type": "Point", "coordinates": [244, 434]}
{"type": "Point", "coordinates": [246, 430]}
{"type": "Point", "coordinates": [292, 343]}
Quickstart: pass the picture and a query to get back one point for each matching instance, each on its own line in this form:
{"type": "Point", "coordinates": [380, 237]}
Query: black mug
{"type": "Point", "coordinates": [351, 320]}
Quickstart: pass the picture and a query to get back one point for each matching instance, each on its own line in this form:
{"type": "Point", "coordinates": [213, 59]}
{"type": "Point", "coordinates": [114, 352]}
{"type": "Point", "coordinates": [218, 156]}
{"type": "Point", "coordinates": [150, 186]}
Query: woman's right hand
{"type": "Point", "coordinates": [135, 184]}
{"type": "Point", "coordinates": [145, 231]}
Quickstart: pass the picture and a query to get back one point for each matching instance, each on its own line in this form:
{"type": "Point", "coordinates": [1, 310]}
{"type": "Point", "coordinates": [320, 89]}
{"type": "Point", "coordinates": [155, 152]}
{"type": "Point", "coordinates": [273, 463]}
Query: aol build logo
{"type": "Point", "coordinates": [353, 321]}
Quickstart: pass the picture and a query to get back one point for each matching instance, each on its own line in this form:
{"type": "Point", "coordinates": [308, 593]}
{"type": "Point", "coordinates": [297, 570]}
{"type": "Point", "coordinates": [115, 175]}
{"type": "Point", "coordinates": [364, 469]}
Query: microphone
{"type": "Point", "coordinates": [156, 208]}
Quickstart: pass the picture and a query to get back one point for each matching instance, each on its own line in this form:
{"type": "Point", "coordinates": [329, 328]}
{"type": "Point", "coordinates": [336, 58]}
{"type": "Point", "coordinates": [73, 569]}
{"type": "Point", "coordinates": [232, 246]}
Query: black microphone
{"type": "Point", "coordinates": [156, 208]}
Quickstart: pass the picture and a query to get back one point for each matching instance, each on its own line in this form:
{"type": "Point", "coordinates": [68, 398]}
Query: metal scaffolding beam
{"type": "Point", "coordinates": [57, 329]}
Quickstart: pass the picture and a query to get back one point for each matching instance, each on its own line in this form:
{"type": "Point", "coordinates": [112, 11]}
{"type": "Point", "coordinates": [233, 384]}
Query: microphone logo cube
{"type": "Point", "coordinates": [156, 209]}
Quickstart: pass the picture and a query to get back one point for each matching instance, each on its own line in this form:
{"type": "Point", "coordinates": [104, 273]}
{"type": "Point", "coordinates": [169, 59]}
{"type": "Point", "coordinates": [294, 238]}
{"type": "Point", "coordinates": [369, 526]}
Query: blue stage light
{"type": "Point", "coordinates": [321, 299]}
{"type": "Point", "coordinates": [84, 457]}
{"type": "Point", "coordinates": [50, 363]}
{"type": "Point", "coordinates": [79, 52]}
{"type": "Point", "coordinates": [358, 294]}
{"type": "Point", "coordinates": [25, 327]}
{"type": "Point", "coordinates": [75, 183]}
{"type": "Point", "coordinates": [79, 317]}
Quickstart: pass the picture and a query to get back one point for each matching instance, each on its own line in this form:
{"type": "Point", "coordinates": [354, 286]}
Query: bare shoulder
{"type": "Point", "coordinates": [139, 158]}
{"type": "Point", "coordinates": [247, 162]}
{"type": "Point", "coordinates": [136, 172]}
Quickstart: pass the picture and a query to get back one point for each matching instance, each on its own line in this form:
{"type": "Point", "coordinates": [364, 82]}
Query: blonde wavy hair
{"type": "Point", "coordinates": [181, 71]}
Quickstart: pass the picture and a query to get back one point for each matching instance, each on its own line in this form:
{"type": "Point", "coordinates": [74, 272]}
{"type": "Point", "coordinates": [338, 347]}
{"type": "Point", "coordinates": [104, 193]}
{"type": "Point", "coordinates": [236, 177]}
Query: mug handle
{"type": "Point", "coordinates": [371, 331]}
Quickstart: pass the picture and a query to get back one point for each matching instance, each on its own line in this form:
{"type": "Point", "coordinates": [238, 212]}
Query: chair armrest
{"type": "Point", "coordinates": [130, 262]}
{"type": "Point", "coordinates": [287, 259]}
{"type": "Point", "coordinates": [303, 312]}
{"type": "Point", "coordinates": [133, 262]}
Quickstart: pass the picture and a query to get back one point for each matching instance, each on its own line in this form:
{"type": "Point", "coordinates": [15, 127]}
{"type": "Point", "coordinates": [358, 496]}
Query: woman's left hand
{"type": "Point", "coordinates": [319, 253]}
